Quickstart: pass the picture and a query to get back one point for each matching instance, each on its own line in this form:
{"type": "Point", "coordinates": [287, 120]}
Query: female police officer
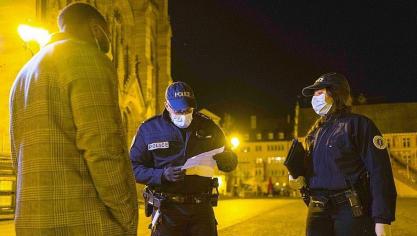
{"type": "Point", "coordinates": [348, 173]}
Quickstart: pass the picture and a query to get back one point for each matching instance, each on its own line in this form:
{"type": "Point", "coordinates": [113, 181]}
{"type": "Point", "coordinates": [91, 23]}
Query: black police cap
{"type": "Point", "coordinates": [333, 79]}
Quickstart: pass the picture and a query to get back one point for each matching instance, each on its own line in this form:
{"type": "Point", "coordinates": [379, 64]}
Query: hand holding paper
{"type": "Point", "coordinates": [202, 164]}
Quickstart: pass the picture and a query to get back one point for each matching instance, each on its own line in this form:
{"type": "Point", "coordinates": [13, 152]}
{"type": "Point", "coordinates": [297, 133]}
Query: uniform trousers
{"type": "Point", "coordinates": [337, 221]}
{"type": "Point", "coordinates": [187, 220]}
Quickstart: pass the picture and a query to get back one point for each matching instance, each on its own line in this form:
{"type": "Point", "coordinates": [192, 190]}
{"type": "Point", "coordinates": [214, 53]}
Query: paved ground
{"type": "Point", "coordinates": [270, 217]}
{"type": "Point", "coordinates": [289, 219]}
{"type": "Point", "coordinates": [286, 219]}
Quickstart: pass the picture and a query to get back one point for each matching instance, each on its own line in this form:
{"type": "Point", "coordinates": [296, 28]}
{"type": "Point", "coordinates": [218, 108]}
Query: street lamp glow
{"type": "Point", "coordinates": [235, 142]}
{"type": "Point", "coordinates": [220, 181]}
{"type": "Point", "coordinates": [30, 33]}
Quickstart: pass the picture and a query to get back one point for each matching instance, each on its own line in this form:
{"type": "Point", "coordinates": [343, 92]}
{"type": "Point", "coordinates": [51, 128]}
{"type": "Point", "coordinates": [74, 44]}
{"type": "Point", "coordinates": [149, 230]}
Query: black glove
{"type": "Point", "coordinates": [226, 161]}
{"type": "Point", "coordinates": [173, 174]}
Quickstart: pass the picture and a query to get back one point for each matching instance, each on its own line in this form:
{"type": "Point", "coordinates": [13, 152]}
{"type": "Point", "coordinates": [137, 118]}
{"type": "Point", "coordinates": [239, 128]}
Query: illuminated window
{"type": "Point", "coordinates": [271, 148]}
{"type": "Point", "coordinates": [6, 185]}
{"type": "Point", "coordinates": [281, 135]}
{"type": "Point", "coordinates": [258, 136]}
{"type": "Point", "coordinates": [270, 135]}
{"type": "Point", "coordinates": [406, 142]}
{"type": "Point", "coordinates": [406, 157]}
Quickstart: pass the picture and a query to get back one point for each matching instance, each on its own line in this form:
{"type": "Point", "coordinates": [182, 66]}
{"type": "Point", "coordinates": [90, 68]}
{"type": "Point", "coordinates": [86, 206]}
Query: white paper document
{"type": "Point", "coordinates": [202, 164]}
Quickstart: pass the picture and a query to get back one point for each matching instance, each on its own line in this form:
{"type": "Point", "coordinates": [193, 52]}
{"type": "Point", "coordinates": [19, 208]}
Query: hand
{"type": "Point", "coordinates": [226, 161]}
{"type": "Point", "coordinates": [223, 156]}
{"type": "Point", "coordinates": [297, 183]}
{"type": "Point", "coordinates": [174, 173]}
{"type": "Point", "coordinates": [382, 229]}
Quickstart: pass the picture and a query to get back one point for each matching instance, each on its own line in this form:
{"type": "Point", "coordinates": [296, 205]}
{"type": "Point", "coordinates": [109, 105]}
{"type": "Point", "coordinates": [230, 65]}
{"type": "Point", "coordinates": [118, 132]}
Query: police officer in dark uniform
{"type": "Point", "coordinates": [162, 146]}
{"type": "Point", "coordinates": [349, 174]}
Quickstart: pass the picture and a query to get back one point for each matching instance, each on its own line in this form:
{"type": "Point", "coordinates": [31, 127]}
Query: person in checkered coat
{"type": "Point", "coordinates": [74, 176]}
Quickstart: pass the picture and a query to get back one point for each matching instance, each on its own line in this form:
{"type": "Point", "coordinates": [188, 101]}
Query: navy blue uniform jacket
{"type": "Point", "coordinates": [159, 144]}
{"type": "Point", "coordinates": [346, 146]}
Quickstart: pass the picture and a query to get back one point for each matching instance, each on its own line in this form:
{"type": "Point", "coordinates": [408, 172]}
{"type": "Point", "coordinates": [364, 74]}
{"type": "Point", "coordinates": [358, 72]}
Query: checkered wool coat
{"type": "Point", "coordinates": [73, 172]}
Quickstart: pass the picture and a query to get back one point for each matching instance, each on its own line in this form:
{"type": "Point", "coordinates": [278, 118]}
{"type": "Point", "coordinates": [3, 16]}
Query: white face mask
{"type": "Point", "coordinates": [320, 106]}
{"type": "Point", "coordinates": [182, 121]}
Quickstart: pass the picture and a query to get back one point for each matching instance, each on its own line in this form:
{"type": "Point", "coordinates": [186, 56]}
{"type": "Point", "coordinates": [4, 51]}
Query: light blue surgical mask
{"type": "Point", "coordinates": [320, 105]}
{"type": "Point", "coordinates": [181, 121]}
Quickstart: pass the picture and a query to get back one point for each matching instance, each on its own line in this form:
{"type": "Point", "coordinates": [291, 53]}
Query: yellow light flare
{"type": "Point", "coordinates": [235, 142]}
{"type": "Point", "coordinates": [220, 181]}
{"type": "Point", "coordinates": [30, 33]}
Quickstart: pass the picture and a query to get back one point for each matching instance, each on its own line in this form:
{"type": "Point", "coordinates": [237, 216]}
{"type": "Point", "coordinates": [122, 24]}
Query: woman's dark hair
{"type": "Point", "coordinates": [342, 104]}
{"type": "Point", "coordinates": [342, 101]}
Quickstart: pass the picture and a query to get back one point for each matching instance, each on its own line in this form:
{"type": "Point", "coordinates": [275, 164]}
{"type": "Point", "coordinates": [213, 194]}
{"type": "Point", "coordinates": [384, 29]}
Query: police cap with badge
{"type": "Point", "coordinates": [180, 96]}
{"type": "Point", "coordinates": [329, 80]}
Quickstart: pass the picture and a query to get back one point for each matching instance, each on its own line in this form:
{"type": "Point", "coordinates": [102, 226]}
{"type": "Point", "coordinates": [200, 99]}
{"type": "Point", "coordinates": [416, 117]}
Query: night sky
{"type": "Point", "coordinates": [254, 56]}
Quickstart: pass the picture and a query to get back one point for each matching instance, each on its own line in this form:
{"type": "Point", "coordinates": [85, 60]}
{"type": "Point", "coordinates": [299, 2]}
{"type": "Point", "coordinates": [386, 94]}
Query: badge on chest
{"type": "Point", "coordinates": [159, 145]}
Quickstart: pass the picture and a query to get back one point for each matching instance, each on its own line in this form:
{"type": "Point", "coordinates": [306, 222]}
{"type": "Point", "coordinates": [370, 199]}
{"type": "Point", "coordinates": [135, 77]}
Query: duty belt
{"type": "Point", "coordinates": [187, 198]}
{"type": "Point", "coordinates": [329, 196]}
{"type": "Point", "coordinates": [338, 198]}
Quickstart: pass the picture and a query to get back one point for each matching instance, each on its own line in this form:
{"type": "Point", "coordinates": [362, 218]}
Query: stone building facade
{"type": "Point", "coordinates": [261, 156]}
{"type": "Point", "coordinates": [141, 46]}
{"type": "Point", "coordinates": [261, 163]}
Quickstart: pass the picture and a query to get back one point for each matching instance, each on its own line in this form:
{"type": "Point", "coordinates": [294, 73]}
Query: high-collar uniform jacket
{"type": "Point", "coordinates": [347, 146]}
{"type": "Point", "coordinates": [74, 176]}
{"type": "Point", "coordinates": [159, 144]}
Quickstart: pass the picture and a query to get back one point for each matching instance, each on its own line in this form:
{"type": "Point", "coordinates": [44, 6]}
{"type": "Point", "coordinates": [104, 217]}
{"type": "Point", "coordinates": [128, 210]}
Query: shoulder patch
{"type": "Point", "coordinates": [379, 142]}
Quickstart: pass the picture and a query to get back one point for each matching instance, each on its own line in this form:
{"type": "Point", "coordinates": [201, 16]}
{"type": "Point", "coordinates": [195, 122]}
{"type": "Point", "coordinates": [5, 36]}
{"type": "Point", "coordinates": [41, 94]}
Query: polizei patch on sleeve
{"type": "Point", "coordinates": [379, 142]}
{"type": "Point", "coordinates": [160, 145]}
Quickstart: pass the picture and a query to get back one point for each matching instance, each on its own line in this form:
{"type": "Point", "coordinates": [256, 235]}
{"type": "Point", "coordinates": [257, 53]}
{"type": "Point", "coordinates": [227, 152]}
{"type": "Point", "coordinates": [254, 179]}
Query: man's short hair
{"type": "Point", "coordinates": [79, 13]}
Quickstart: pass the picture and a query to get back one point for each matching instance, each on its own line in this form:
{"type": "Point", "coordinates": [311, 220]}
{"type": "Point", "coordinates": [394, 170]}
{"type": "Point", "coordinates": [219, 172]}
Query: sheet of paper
{"type": "Point", "coordinates": [202, 164]}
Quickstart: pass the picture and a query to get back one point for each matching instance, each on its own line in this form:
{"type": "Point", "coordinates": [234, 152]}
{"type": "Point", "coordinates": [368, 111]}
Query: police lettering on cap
{"type": "Point", "coordinates": [180, 96]}
{"type": "Point", "coordinates": [334, 80]}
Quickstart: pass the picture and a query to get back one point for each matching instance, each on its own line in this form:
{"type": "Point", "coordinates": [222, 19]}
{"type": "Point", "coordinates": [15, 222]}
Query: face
{"type": "Point", "coordinates": [101, 35]}
{"type": "Point", "coordinates": [181, 112]}
{"type": "Point", "coordinates": [319, 92]}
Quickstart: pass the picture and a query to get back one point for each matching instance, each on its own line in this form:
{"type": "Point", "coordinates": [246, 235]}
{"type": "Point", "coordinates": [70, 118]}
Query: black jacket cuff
{"type": "Point", "coordinates": [382, 221]}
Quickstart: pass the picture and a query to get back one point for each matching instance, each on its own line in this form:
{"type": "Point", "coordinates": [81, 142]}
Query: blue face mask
{"type": "Point", "coordinates": [320, 105]}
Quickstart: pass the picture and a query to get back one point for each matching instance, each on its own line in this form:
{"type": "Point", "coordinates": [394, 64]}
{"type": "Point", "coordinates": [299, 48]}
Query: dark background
{"type": "Point", "coordinates": [254, 56]}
